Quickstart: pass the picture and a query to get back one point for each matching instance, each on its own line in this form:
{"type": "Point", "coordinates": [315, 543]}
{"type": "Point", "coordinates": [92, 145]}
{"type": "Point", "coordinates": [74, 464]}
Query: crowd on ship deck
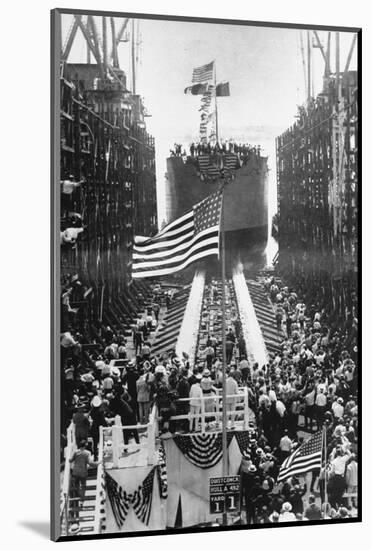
{"type": "Point", "coordinates": [243, 151]}
{"type": "Point", "coordinates": [313, 377]}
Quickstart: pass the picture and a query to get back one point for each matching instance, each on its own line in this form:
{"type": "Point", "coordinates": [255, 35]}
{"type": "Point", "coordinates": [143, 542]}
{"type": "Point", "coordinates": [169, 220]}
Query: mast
{"type": "Point", "coordinates": [216, 106]}
{"type": "Point", "coordinates": [309, 68]}
{"type": "Point", "coordinates": [133, 56]}
{"type": "Point", "coordinates": [224, 361]}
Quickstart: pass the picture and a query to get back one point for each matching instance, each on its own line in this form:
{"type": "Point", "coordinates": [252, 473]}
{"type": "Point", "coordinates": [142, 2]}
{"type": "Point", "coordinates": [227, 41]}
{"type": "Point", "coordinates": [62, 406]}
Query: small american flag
{"type": "Point", "coordinates": [203, 73]}
{"type": "Point", "coordinates": [142, 498]}
{"type": "Point", "coordinates": [119, 499]}
{"type": "Point", "coordinates": [183, 241]}
{"type": "Point", "coordinates": [304, 459]}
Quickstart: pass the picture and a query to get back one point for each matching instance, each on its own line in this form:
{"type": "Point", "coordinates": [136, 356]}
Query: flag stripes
{"type": "Point", "coordinates": [205, 450]}
{"type": "Point", "coordinates": [185, 240]}
{"type": "Point", "coordinates": [203, 73]}
{"type": "Point", "coordinates": [140, 499]}
{"type": "Point", "coordinates": [170, 252]}
{"type": "Point", "coordinates": [304, 459]}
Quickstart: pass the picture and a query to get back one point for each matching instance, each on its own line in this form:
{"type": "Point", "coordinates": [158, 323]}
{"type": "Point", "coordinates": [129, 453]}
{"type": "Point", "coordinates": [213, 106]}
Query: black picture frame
{"type": "Point", "coordinates": [56, 15]}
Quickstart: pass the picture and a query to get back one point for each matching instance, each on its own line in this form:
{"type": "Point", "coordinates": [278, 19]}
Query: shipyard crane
{"type": "Point", "coordinates": [314, 41]}
{"type": "Point", "coordinates": [105, 56]}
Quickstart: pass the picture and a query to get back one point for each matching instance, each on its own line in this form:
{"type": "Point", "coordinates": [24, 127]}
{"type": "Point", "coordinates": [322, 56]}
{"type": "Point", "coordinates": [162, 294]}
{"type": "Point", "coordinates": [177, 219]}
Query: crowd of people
{"type": "Point", "coordinates": [243, 151]}
{"type": "Point", "coordinates": [310, 385]}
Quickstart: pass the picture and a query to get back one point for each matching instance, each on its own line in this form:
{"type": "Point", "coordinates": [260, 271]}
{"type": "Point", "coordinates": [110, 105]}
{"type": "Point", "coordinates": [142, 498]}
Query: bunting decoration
{"type": "Point", "coordinates": [203, 450]}
{"type": "Point", "coordinates": [121, 501]}
{"type": "Point", "coordinates": [217, 166]}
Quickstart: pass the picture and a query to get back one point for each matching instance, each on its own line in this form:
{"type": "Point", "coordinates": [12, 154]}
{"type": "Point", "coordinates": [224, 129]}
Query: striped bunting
{"type": "Point", "coordinates": [306, 458]}
{"type": "Point", "coordinates": [203, 450]}
{"type": "Point", "coordinates": [182, 242]}
{"type": "Point", "coordinates": [230, 161]}
{"type": "Point", "coordinates": [203, 73]}
{"type": "Point", "coordinates": [140, 500]}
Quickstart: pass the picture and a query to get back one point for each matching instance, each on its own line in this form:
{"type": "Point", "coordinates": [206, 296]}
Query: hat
{"type": "Point", "coordinates": [96, 401]}
{"type": "Point", "coordinates": [74, 529]}
{"type": "Point", "coordinates": [100, 364]}
{"type": "Point", "coordinates": [286, 507]}
{"type": "Point", "coordinates": [160, 369]}
{"type": "Point", "coordinates": [252, 468]}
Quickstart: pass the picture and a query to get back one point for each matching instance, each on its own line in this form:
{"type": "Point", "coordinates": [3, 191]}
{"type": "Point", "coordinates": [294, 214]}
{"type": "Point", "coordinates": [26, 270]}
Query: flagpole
{"type": "Point", "coordinates": [216, 106]}
{"type": "Point", "coordinates": [224, 362]}
{"type": "Point", "coordinates": [325, 463]}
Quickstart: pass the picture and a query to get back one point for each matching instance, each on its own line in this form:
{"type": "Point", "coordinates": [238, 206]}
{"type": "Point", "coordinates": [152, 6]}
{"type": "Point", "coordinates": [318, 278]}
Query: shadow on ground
{"type": "Point", "coordinates": [42, 528]}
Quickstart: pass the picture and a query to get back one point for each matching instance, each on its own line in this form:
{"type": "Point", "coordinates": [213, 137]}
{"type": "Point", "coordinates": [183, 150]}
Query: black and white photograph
{"type": "Point", "coordinates": [205, 203]}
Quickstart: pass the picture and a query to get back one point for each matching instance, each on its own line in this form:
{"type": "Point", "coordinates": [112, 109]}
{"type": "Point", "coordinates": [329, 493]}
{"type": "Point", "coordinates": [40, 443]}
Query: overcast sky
{"type": "Point", "coordinates": [263, 65]}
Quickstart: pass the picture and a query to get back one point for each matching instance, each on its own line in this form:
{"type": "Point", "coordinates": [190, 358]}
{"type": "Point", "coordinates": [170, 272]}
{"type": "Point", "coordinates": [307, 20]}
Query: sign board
{"type": "Point", "coordinates": [224, 493]}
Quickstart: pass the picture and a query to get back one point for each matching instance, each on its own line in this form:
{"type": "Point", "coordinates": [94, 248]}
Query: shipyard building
{"type": "Point", "coordinates": [317, 178]}
{"type": "Point", "coordinates": [107, 151]}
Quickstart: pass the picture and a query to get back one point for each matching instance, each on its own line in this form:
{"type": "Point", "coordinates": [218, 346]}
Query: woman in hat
{"type": "Point", "coordinates": [286, 513]}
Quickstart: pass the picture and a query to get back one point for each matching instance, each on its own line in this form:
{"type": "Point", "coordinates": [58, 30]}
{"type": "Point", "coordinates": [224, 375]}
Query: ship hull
{"type": "Point", "coordinates": [245, 199]}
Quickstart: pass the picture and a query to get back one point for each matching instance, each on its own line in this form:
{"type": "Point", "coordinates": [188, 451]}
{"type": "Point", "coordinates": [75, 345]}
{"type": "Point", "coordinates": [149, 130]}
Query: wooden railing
{"type": "Point", "coordinates": [240, 408]}
{"type": "Point", "coordinates": [68, 452]}
{"type": "Point", "coordinates": [116, 432]}
{"type": "Point", "coordinates": [100, 486]}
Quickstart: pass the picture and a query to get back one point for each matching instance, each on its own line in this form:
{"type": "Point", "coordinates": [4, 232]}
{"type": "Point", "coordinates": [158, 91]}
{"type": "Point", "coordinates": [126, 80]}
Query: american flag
{"type": "Point", "coordinates": [140, 500]}
{"type": "Point", "coordinates": [243, 440]}
{"type": "Point", "coordinates": [183, 241]}
{"type": "Point", "coordinates": [304, 459]}
{"type": "Point", "coordinates": [203, 73]}
{"type": "Point", "coordinates": [119, 499]}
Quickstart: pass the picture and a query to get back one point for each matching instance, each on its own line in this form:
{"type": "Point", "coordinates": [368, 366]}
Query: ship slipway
{"type": "Point", "coordinates": [184, 328]}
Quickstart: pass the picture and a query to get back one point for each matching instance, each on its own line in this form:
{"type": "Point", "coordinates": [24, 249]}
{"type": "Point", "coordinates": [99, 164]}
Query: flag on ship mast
{"type": "Point", "coordinates": [203, 73]}
{"type": "Point", "coordinates": [222, 89]}
{"type": "Point", "coordinates": [191, 237]}
{"type": "Point", "coordinates": [196, 89]}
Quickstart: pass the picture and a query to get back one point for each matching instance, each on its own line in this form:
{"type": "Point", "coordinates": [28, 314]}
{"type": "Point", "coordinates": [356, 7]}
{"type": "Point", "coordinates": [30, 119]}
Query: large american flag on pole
{"type": "Point", "coordinates": [203, 73]}
{"type": "Point", "coordinates": [183, 241]}
{"type": "Point", "coordinates": [304, 459]}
